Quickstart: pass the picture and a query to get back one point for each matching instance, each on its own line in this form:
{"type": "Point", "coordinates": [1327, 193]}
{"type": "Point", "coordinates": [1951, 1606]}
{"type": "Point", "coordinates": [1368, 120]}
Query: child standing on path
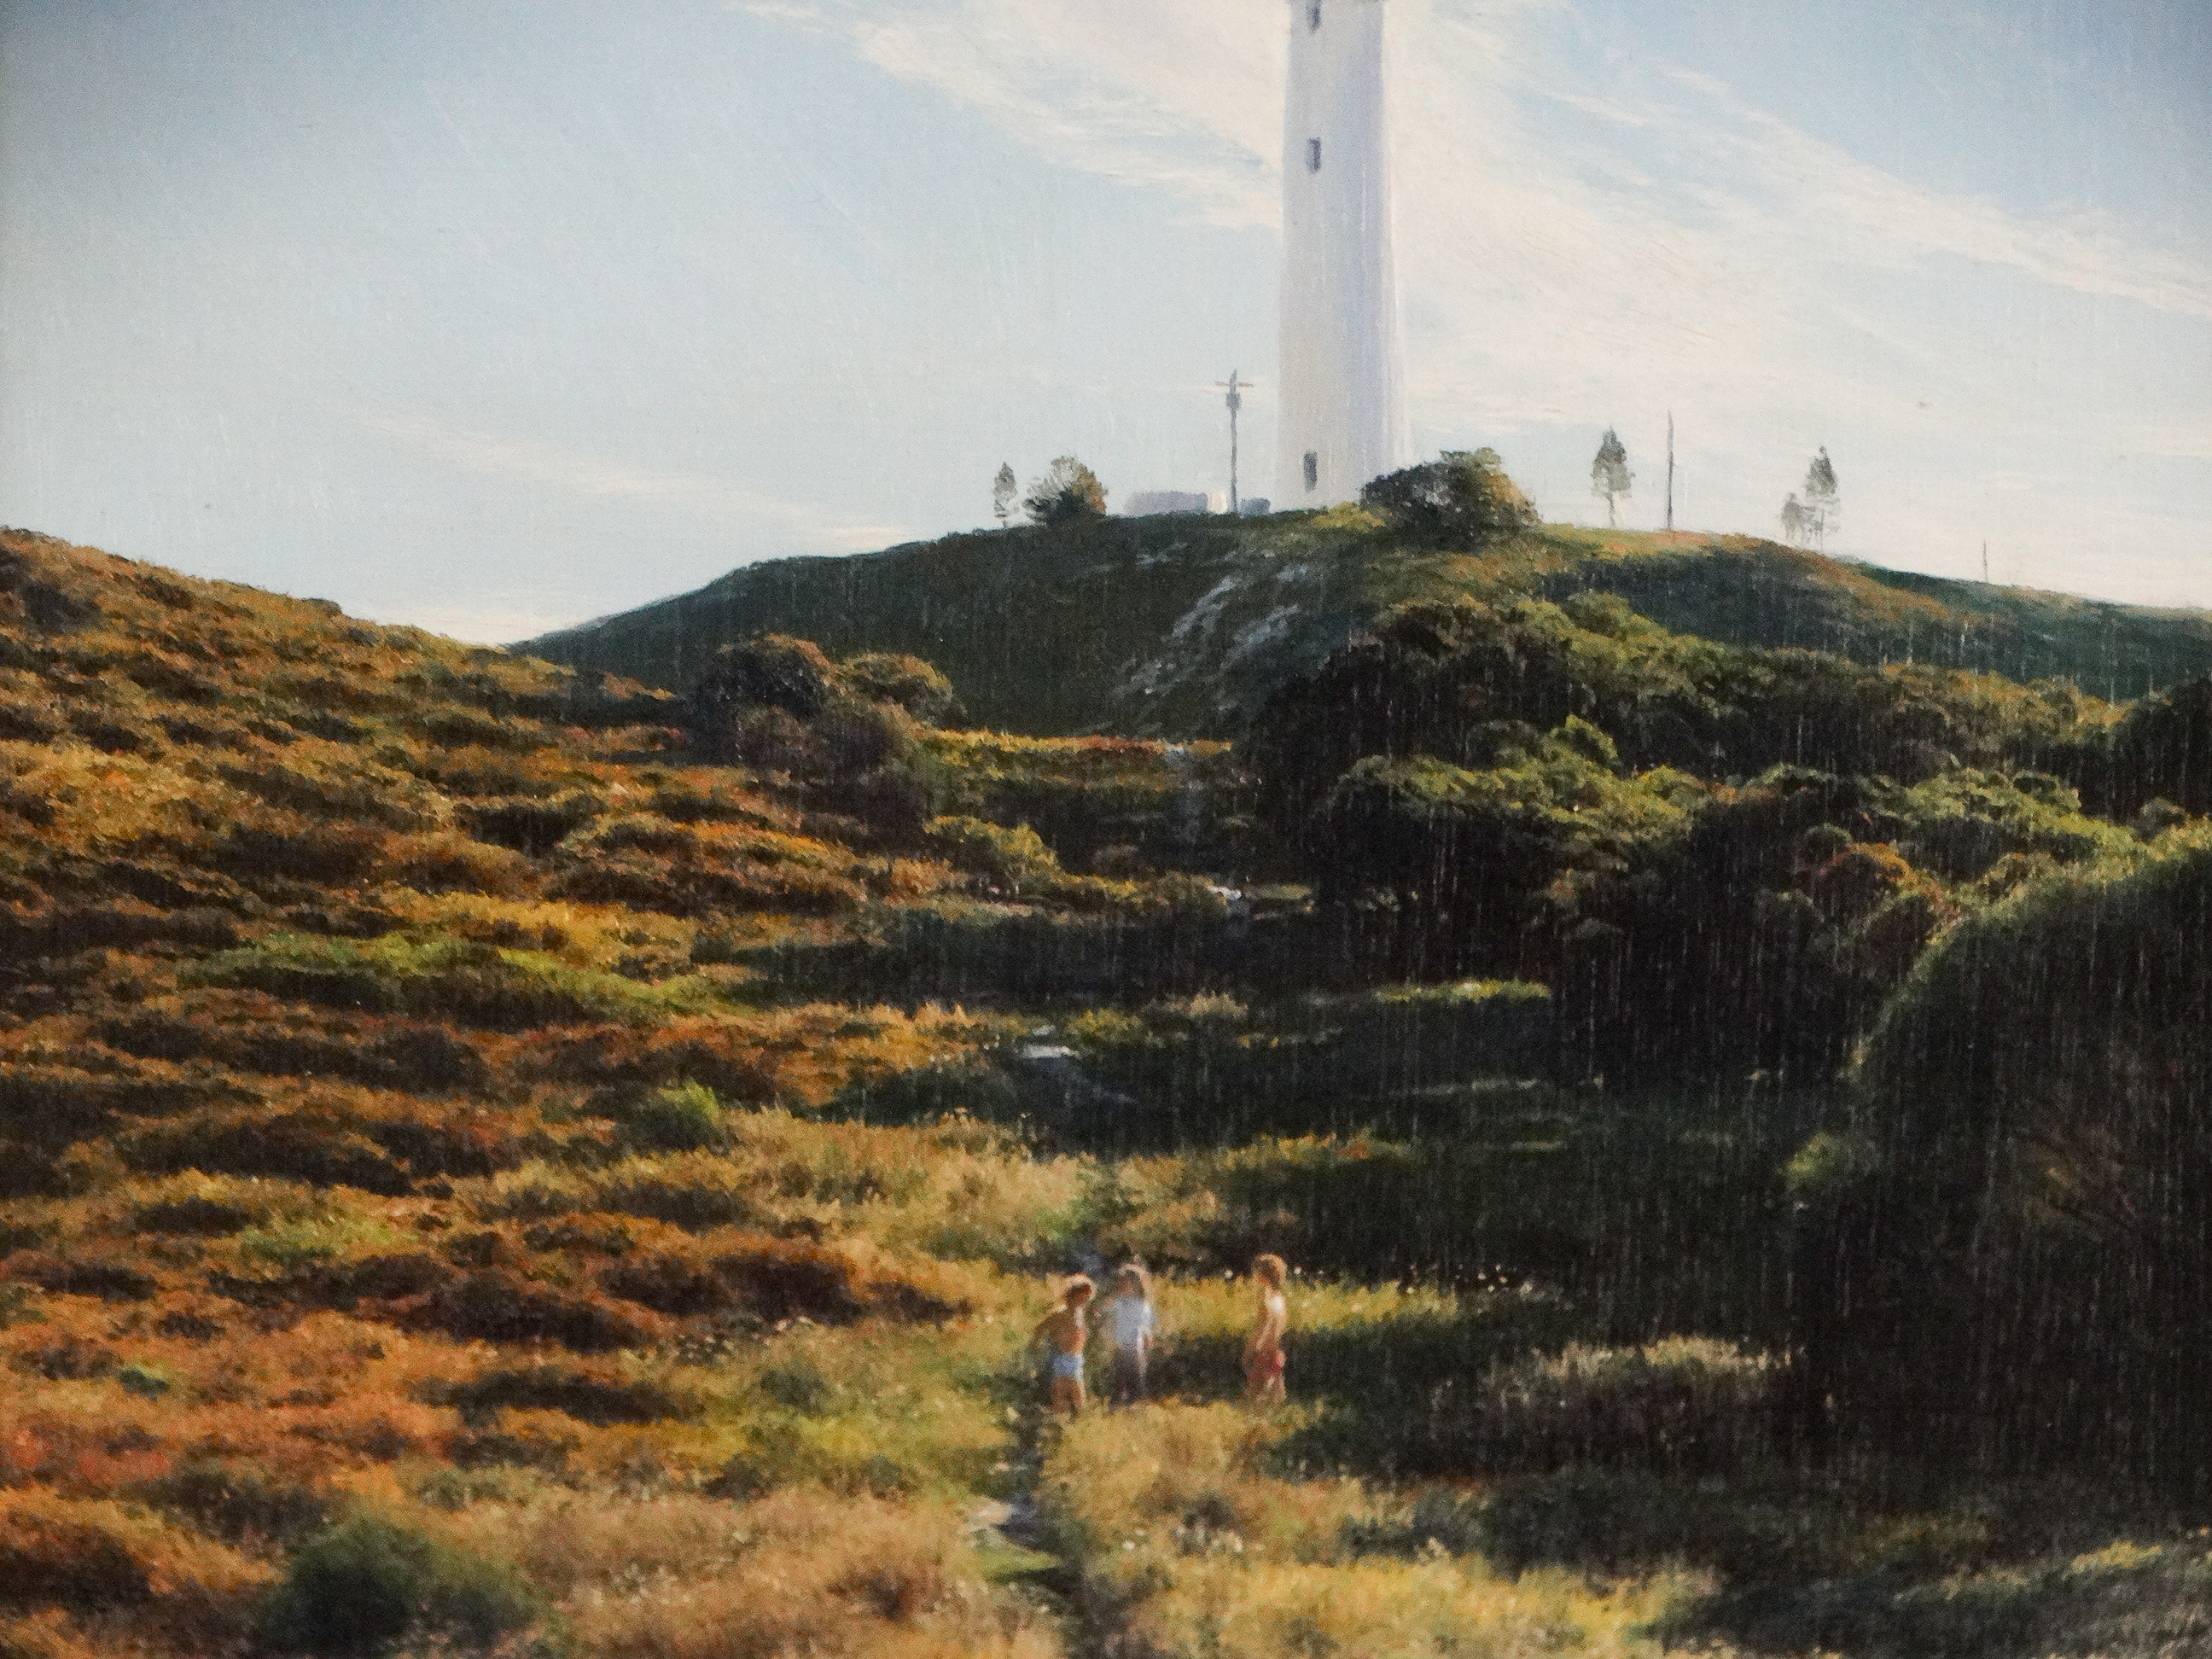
{"type": "Point", "coordinates": [1263, 1351]}
{"type": "Point", "coordinates": [1129, 1317]}
{"type": "Point", "coordinates": [1064, 1330]}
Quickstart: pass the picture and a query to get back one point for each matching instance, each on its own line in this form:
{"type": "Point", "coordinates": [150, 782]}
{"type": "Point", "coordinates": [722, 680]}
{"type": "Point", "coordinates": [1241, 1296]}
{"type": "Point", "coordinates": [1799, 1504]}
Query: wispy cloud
{"type": "Point", "coordinates": [2186, 440]}
{"type": "Point", "coordinates": [809, 528]}
{"type": "Point", "coordinates": [1185, 95]}
{"type": "Point", "coordinates": [1182, 95]}
{"type": "Point", "coordinates": [1878, 218]}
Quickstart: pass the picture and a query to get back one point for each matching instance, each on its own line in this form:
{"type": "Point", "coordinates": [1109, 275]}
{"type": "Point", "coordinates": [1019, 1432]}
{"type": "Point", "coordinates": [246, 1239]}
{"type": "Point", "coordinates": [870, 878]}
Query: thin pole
{"type": "Point", "coordinates": [1236, 403]}
{"type": "Point", "coordinates": [1670, 468]}
{"type": "Point", "coordinates": [1985, 560]}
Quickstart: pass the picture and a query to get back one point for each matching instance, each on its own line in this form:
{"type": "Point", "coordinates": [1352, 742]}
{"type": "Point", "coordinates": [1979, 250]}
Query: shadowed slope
{"type": "Point", "coordinates": [1183, 626]}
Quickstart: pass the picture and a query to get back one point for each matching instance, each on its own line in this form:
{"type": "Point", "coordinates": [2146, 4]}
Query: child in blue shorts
{"type": "Point", "coordinates": [1064, 1331]}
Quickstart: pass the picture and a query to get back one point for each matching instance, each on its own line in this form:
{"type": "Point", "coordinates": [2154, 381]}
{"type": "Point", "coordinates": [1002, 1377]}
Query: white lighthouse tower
{"type": "Point", "coordinates": [1342, 391]}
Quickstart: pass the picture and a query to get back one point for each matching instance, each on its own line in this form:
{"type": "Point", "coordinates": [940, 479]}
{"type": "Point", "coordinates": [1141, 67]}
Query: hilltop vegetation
{"type": "Point", "coordinates": [1184, 626]}
{"type": "Point", "coordinates": [505, 1158]}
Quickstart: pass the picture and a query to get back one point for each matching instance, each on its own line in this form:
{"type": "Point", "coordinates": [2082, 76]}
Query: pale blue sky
{"type": "Point", "coordinates": [495, 316]}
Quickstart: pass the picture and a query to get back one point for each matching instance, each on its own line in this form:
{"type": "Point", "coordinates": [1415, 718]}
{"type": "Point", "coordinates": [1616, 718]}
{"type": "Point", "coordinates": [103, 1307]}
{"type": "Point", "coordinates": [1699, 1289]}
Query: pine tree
{"type": "Point", "coordinates": [1609, 474]}
{"type": "Point", "coordinates": [1822, 508]}
{"type": "Point", "coordinates": [1004, 489]}
{"type": "Point", "coordinates": [1797, 522]}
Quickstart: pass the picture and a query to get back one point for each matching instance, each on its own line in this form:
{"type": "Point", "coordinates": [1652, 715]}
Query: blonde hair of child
{"type": "Point", "coordinates": [1270, 1268]}
{"type": "Point", "coordinates": [1131, 1280]}
{"type": "Point", "coordinates": [1078, 1289]}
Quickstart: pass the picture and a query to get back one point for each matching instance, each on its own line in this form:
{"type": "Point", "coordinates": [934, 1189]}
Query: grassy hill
{"type": "Point", "coordinates": [487, 1169]}
{"type": "Point", "coordinates": [1181, 626]}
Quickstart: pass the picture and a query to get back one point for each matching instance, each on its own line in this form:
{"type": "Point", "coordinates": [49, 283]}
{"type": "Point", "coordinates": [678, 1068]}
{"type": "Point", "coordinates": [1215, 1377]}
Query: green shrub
{"type": "Point", "coordinates": [1014, 860]}
{"type": "Point", "coordinates": [679, 1117]}
{"type": "Point", "coordinates": [595, 1396]}
{"type": "Point", "coordinates": [1461, 497]}
{"type": "Point", "coordinates": [237, 1501]}
{"type": "Point", "coordinates": [145, 1381]}
{"type": "Point", "coordinates": [532, 826]}
{"type": "Point", "coordinates": [925, 1094]}
{"type": "Point", "coordinates": [365, 1585]}
{"type": "Point", "coordinates": [1960, 823]}
{"type": "Point", "coordinates": [499, 1306]}
{"type": "Point", "coordinates": [1752, 1528]}
{"type": "Point", "coordinates": [798, 1386]}
{"type": "Point", "coordinates": [2024, 1239]}
{"type": "Point", "coordinates": [194, 1215]}
{"type": "Point", "coordinates": [1393, 1059]}
{"type": "Point", "coordinates": [438, 976]}
{"type": "Point", "coordinates": [2162, 749]}
{"type": "Point", "coordinates": [771, 670]}
{"type": "Point", "coordinates": [1069, 493]}
{"type": "Point", "coordinates": [307, 1147]}
{"type": "Point", "coordinates": [908, 682]}
{"type": "Point", "coordinates": [1684, 1403]}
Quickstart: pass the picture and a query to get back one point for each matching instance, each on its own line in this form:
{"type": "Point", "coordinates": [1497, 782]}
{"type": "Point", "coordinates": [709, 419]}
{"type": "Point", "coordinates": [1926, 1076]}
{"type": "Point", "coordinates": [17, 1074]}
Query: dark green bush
{"type": "Point", "coordinates": [923, 1094]}
{"type": "Point", "coordinates": [327, 854]}
{"type": "Point", "coordinates": [590, 1396]}
{"type": "Point", "coordinates": [365, 1585]}
{"type": "Point", "coordinates": [237, 1501]}
{"type": "Point", "coordinates": [529, 825]}
{"type": "Point", "coordinates": [291, 1146]}
{"type": "Point", "coordinates": [499, 1306]}
{"type": "Point", "coordinates": [111, 1281]}
{"type": "Point", "coordinates": [2019, 1268]}
{"type": "Point", "coordinates": [1069, 493]}
{"type": "Point", "coordinates": [677, 1117]}
{"type": "Point", "coordinates": [204, 1218]}
{"type": "Point", "coordinates": [1456, 679]}
{"type": "Point", "coordinates": [908, 682]}
{"type": "Point", "coordinates": [1685, 1404]}
{"type": "Point", "coordinates": [772, 671]}
{"type": "Point", "coordinates": [1393, 1059]}
{"type": "Point", "coordinates": [1461, 497]}
{"type": "Point", "coordinates": [1759, 1525]}
{"type": "Point", "coordinates": [1013, 860]}
{"type": "Point", "coordinates": [2162, 748]}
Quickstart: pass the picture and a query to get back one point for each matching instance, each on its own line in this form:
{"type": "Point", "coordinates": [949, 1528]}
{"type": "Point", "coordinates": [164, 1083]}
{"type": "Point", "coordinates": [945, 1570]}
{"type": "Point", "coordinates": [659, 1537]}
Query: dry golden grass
{"type": "Point", "coordinates": [402, 1125]}
{"type": "Point", "coordinates": [93, 1555]}
{"type": "Point", "coordinates": [796, 1572]}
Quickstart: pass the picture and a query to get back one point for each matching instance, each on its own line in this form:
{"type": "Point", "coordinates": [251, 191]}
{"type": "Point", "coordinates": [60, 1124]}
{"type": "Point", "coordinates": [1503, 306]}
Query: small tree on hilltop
{"type": "Point", "coordinates": [1609, 474]}
{"type": "Point", "coordinates": [1797, 522]}
{"type": "Point", "coordinates": [1821, 505]}
{"type": "Point", "coordinates": [1069, 491]}
{"type": "Point", "coordinates": [1003, 491]}
{"type": "Point", "coordinates": [1460, 496]}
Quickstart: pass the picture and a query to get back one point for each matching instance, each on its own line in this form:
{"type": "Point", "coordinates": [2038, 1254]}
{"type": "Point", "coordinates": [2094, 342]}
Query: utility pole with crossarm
{"type": "Point", "coordinates": [1237, 389]}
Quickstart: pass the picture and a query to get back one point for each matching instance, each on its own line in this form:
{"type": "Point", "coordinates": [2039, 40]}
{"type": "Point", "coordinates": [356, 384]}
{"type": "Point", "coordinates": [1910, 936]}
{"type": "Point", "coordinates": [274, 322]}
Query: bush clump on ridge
{"type": "Point", "coordinates": [2028, 1233]}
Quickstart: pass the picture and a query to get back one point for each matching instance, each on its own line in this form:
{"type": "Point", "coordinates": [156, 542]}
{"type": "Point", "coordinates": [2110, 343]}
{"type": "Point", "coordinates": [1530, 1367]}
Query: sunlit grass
{"type": "Point", "coordinates": [1194, 1550]}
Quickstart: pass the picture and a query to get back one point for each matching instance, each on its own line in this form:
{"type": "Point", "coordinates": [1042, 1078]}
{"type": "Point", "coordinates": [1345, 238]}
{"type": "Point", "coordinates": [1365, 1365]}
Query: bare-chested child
{"type": "Point", "coordinates": [1064, 1330]}
{"type": "Point", "coordinates": [1263, 1350]}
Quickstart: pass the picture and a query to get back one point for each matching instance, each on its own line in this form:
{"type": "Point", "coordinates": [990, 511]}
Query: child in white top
{"type": "Point", "coordinates": [1263, 1351]}
{"type": "Point", "coordinates": [1129, 1317]}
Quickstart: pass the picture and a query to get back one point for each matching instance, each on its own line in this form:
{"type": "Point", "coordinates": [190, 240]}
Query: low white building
{"type": "Point", "coordinates": [1145, 503]}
